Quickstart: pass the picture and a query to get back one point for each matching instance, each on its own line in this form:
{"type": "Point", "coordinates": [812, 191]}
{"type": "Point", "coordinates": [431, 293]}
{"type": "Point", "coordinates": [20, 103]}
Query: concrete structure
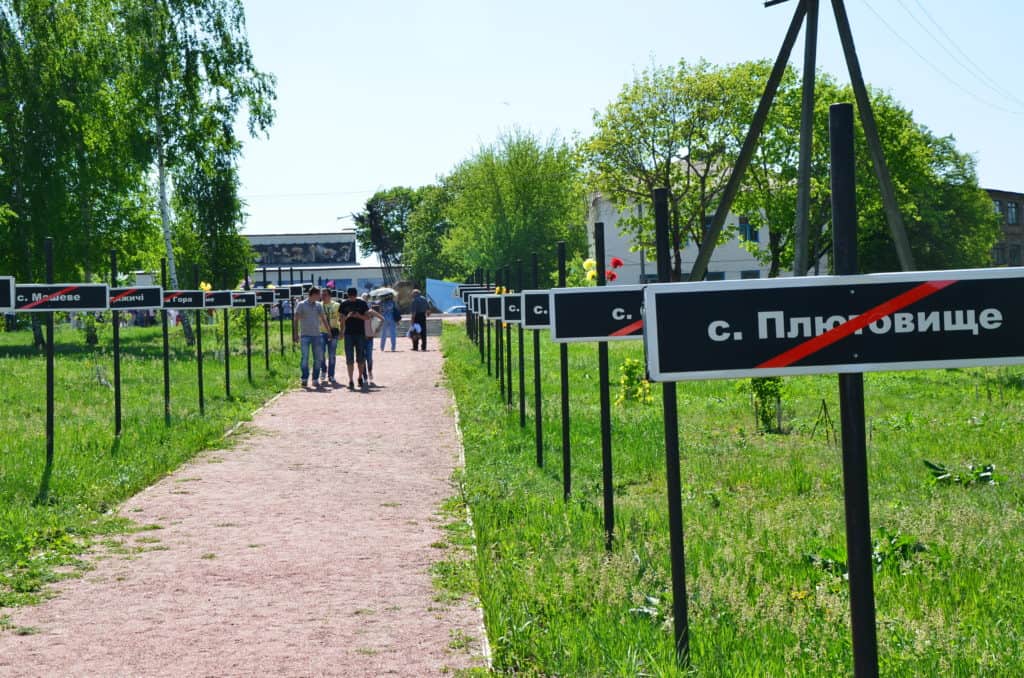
{"type": "Point", "coordinates": [1009, 251]}
{"type": "Point", "coordinates": [730, 261]}
{"type": "Point", "coordinates": [320, 257]}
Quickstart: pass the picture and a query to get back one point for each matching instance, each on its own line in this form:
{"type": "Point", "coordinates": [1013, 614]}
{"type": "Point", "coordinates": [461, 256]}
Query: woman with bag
{"type": "Point", "coordinates": [374, 322]}
{"type": "Point", "coordinates": [391, 317]}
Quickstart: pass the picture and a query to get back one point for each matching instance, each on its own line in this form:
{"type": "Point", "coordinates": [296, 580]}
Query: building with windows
{"type": "Point", "coordinates": [730, 260]}
{"type": "Point", "coordinates": [1009, 251]}
{"type": "Point", "coordinates": [317, 257]}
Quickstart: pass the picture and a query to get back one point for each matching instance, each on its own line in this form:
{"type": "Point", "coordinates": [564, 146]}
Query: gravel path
{"type": "Point", "coordinates": [303, 550]}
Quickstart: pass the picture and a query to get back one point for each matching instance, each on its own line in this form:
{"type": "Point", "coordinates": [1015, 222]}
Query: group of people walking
{"type": "Point", "coordinates": [321, 323]}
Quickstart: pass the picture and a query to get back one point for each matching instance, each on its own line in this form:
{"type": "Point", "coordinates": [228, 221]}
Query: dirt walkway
{"type": "Point", "coordinates": [303, 551]}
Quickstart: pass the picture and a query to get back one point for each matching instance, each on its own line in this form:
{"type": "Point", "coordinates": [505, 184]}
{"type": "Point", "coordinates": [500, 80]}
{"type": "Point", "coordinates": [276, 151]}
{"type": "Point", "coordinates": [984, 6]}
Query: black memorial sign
{"type": "Point", "coordinates": [283, 293]}
{"type": "Point", "coordinates": [492, 306]}
{"type": "Point", "coordinates": [61, 297]}
{"type": "Point", "coordinates": [218, 299]}
{"type": "Point", "coordinates": [6, 293]}
{"type": "Point", "coordinates": [265, 297]}
{"type": "Point", "coordinates": [535, 309]}
{"type": "Point", "coordinates": [135, 298]}
{"type": "Point", "coordinates": [306, 287]}
{"type": "Point", "coordinates": [296, 290]}
{"type": "Point", "coordinates": [867, 323]}
{"type": "Point", "coordinates": [465, 292]}
{"type": "Point", "coordinates": [512, 308]}
{"type": "Point", "coordinates": [596, 313]}
{"type": "Point", "coordinates": [243, 299]}
{"type": "Point", "coordinates": [183, 299]}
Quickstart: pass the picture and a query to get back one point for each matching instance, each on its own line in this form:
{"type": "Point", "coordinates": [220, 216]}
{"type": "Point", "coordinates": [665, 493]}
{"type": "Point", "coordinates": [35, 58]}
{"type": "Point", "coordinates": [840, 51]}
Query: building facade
{"type": "Point", "coordinates": [319, 257]}
{"type": "Point", "coordinates": [1009, 251]}
{"type": "Point", "coordinates": [729, 261]}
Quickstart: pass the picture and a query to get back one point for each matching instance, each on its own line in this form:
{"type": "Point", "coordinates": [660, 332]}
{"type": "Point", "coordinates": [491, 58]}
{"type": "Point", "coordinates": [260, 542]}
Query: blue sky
{"type": "Point", "coordinates": [373, 94]}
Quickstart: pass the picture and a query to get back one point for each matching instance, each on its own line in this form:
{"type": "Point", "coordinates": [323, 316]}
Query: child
{"type": "Point", "coordinates": [415, 332]}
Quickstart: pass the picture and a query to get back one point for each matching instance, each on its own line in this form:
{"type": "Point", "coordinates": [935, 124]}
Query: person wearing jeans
{"type": "Point", "coordinates": [309, 318]}
{"type": "Point", "coordinates": [389, 325]}
{"type": "Point", "coordinates": [330, 334]}
{"type": "Point", "coordinates": [418, 314]}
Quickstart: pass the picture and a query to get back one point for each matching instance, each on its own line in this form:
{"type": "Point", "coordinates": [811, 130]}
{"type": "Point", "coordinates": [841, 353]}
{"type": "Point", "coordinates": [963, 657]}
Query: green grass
{"type": "Point", "coordinates": [93, 471]}
{"type": "Point", "coordinates": [755, 507]}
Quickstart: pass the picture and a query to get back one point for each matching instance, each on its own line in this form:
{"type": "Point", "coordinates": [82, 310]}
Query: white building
{"type": "Point", "coordinates": [730, 261]}
{"type": "Point", "coordinates": [320, 257]}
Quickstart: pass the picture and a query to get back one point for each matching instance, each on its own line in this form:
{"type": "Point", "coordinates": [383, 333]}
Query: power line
{"type": "Point", "coordinates": [945, 76]}
{"type": "Point", "coordinates": [972, 68]}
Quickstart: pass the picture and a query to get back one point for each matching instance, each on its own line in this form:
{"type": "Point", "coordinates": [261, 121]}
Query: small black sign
{"type": "Point", "coordinates": [265, 297]}
{"type": "Point", "coordinates": [476, 302]}
{"type": "Point", "coordinates": [283, 293]}
{"type": "Point", "coordinates": [6, 293]}
{"type": "Point", "coordinates": [306, 287]}
{"type": "Point", "coordinates": [597, 313]}
{"type": "Point", "coordinates": [136, 298]}
{"type": "Point", "coordinates": [535, 309]}
{"type": "Point", "coordinates": [465, 292]}
{"type": "Point", "coordinates": [296, 290]}
{"type": "Point", "coordinates": [218, 299]}
{"type": "Point", "coordinates": [829, 324]}
{"type": "Point", "coordinates": [511, 308]}
{"type": "Point", "coordinates": [182, 299]}
{"type": "Point", "coordinates": [243, 300]}
{"type": "Point", "coordinates": [61, 297]}
{"type": "Point", "coordinates": [492, 306]}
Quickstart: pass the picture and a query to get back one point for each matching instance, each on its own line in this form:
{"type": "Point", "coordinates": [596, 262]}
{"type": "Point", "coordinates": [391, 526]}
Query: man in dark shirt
{"type": "Point", "coordinates": [355, 311]}
{"type": "Point", "coordinates": [418, 314]}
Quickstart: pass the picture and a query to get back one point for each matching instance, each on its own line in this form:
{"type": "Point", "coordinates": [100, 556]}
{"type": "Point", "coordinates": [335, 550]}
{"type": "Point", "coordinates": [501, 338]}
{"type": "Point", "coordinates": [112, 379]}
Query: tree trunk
{"type": "Point", "coordinates": [165, 222]}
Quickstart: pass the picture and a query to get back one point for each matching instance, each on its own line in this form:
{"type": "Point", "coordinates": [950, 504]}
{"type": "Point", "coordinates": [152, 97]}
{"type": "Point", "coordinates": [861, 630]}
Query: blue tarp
{"type": "Point", "coordinates": [443, 294]}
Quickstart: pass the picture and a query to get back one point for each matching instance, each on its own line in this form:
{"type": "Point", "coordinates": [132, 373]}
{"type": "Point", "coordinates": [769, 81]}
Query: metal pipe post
{"type": "Point", "coordinates": [167, 349]}
{"type": "Point", "coordinates": [851, 404]}
{"type": "Point", "coordinates": [508, 346]}
{"type": "Point", "coordinates": [200, 315]}
{"type": "Point", "coordinates": [522, 363]}
{"type": "Point", "coordinates": [672, 473]}
{"type": "Point", "coordinates": [606, 404]}
{"type": "Point", "coordinates": [563, 361]}
{"type": "Point", "coordinates": [115, 320]}
{"type": "Point", "coordinates": [538, 419]}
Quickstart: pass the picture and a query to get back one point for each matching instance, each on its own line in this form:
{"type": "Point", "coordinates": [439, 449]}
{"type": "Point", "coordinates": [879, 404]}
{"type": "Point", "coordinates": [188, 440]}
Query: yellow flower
{"type": "Point", "coordinates": [589, 265]}
{"type": "Point", "coordinates": [205, 286]}
{"type": "Point", "coordinates": [271, 286]}
{"type": "Point", "coordinates": [591, 274]}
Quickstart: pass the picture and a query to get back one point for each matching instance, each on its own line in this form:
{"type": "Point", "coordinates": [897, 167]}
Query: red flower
{"type": "Point", "coordinates": [612, 276]}
{"type": "Point", "coordinates": [617, 263]}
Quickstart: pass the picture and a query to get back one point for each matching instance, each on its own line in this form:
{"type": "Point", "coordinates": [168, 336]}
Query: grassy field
{"type": "Point", "coordinates": [765, 538]}
{"type": "Point", "coordinates": [93, 471]}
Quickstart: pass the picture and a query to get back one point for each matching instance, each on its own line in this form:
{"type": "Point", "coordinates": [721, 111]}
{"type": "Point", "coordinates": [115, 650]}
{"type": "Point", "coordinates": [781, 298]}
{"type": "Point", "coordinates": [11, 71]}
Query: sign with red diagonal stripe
{"type": "Point", "coordinates": [139, 298]}
{"type": "Point", "coordinates": [61, 297]}
{"type": "Point", "coordinates": [265, 297]}
{"type": "Point", "coordinates": [611, 313]}
{"type": "Point", "coordinates": [830, 324]}
{"type": "Point", "coordinates": [218, 299]}
{"type": "Point", "coordinates": [184, 299]}
{"type": "Point", "coordinates": [6, 293]}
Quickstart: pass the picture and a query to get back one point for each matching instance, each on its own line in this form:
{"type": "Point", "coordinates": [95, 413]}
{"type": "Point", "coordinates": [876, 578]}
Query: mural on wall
{"type": "Point", "coordinates": [279, 254]}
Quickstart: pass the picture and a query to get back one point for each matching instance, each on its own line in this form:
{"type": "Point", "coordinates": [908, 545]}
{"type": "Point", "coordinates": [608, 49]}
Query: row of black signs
{"type": "Point", "coordinates": [97, 297]}
{"type": "Point", "coordinates": [788, 326]}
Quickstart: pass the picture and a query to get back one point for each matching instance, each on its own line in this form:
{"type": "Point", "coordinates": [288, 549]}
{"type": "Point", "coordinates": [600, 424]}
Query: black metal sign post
{"type": "Point", "coordinates": [44, 486]}
{"type": "Point", "coordinates": [295, 294]}
{"type": "Point", "coordinates": [222, 299]}
{"type": "Point", "coordinates": [480, 322]}
{"type": "Point", "coordinates": [499, 343]}
{"type": "Point", "coordinates": [851, 405]}
{"type": "Point", "coordinates": [522, 362]}
{"type": "Point", "coordinates": [280, 307]}
{"type": "Point", "coordinates": [167, 349]}
{"type": "Point", "coordinates": [670, 411]}
{"type": "Point", "coordinates": [511, 315]}
{"type": "Point", "coordinates": [508, 344]}
{"type": "Point", "coordinates": [126, 299]}
{"type": "Point", "coordinates": [200, 316]}
{"type": "Point", "coordinates": [488, 321]}
{"type": "Point", "coordinates": [529, 307]}
{"type": "Point", "coordinates": [248, 303]}
{"type": "Point", "coordinates": [563, 358]}
{"type": "Point", "coordinates": [606, 405]}
{"type": "Point", "coordinates": [115, 319]}
{"type": "Point", "coordinates": [266, 298]}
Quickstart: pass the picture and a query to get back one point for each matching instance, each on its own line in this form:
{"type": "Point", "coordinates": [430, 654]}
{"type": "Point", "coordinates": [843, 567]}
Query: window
{"type": "Point", "coordinates": [1011, 213]}
{"type": "Point", "coordinates": [998, 204]}
{"type": "Point", "coordinates": [747, 231]}
{"type": "Point", "coordinates": [715, 275]}
{"type": "Point", "coordinates": [748, 275]}
{"type": "Point", "coordinates": [1014, 255]}
{"type": "Point", "coordinates": [999, 255]}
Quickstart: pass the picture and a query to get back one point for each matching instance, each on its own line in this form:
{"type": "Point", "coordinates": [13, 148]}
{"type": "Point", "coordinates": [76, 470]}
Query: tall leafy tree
{"type": "Point", "coordinates": [517, 196]}
{"type": "Point", "coordinates": [381, 226]}
{"type": "Point", "coordinates": [423, 254]}
{"type": "Point", "coordinates": [676, 127]}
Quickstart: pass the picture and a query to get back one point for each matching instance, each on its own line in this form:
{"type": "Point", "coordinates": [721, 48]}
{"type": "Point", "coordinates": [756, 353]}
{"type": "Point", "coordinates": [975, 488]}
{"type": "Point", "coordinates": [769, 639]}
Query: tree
{"type": "Point", "coordinates": [382, 225]}
{"type": "Point", "coordinates": [676, 127]}
{"type": "Point", "coordinates": [423, 253]}
{"type": "Point", "coordinates": [510, 199]}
